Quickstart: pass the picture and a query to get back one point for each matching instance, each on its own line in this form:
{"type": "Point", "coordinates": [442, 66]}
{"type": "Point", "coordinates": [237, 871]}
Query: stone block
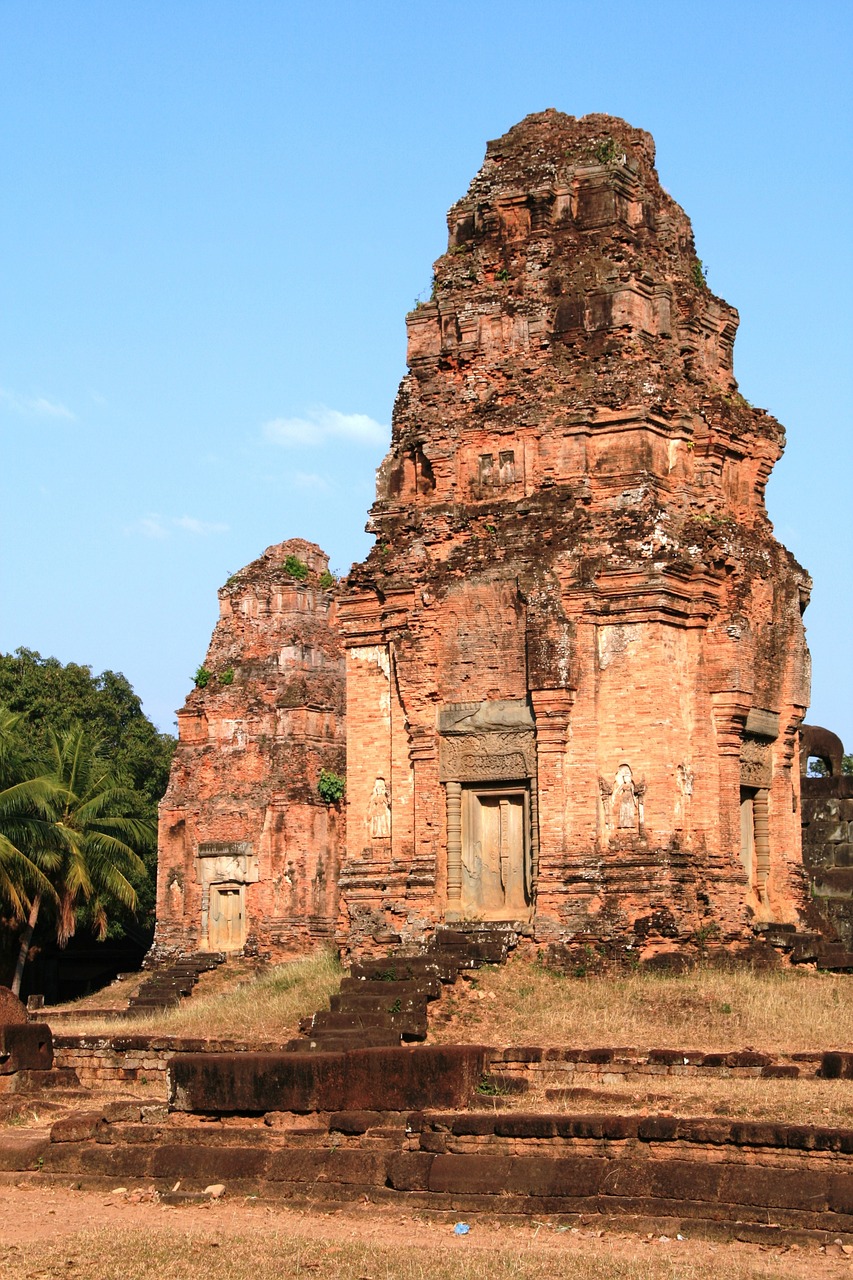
{"type": "Point", "coordinates": [297, 1165]}
{"type": "Point", "coordinates": [80, 1126]}
{"type": "Point", "coordinates": [518, 1125]}
{"type": "Point", "coordinates": [382, 1079]}
{"type": "Point", "coordinates": [21, 1150]}
{"type": "Point", "coordinates": [214, 1163]}
{"type": "Point", "coordinates": [113, 1161]}
{"type": "Point", "coordinates": [13, 1012]}
{"type": "Point", "coordinates": [597, 1126]}
{"type": "Point", "coordinates": [836, 1066]}
{"type": "Point", "coordinates": [25, 1047]}
{"type": "Point", "coordinates": [471, 1124]}
{"type": "Point", "coordinates": [684, 1179]}
{"type": "Point", "coordinates": [470, 1174]}
{"type": "Point", "coordinates": [568, 1176]}
{"type": "Point", "coordinates": [773, 1188]}
{"type": "Point", "coordinates": [409, 1170]}
{"type": "Point", "coordinates": [658, 1128]}
{"type": "Point", "coordinates": [841, 1193]}
{"type": "Point", "coordinates": [354, 1121]}
{"type": "Point", "coordinates": [356, 1165]}
{"type": "Point", "coordinates": [757, 1133]}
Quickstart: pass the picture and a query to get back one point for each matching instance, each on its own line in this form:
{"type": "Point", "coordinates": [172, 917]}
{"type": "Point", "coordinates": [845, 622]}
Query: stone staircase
{"type": "Point", "coordinates": [385, 1000]}
{"type": "Point", "coordinates": [169, 983]}
{"type": "Point", "coordinates": [805, 947]}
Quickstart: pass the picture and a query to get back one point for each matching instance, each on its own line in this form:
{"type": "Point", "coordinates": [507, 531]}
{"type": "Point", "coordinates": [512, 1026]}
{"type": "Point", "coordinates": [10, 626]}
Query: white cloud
{"type": "Point", "coordinates": [321, 424]}
{"type": "Point", "coordinates": [38, 405]}
{"type": "Point", "coordinates": [199, 527]}
{"type": "Point", "coordinates": [156, 526]}
{"type": "Point", "coordinates": [310, 480]}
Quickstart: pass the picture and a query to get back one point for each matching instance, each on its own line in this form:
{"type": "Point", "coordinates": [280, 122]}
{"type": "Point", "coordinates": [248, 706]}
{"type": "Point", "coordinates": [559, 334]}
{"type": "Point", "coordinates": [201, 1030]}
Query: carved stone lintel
{"type": "Point", "coordinates": [487, 756]}
{"type": "Point", "coordinates": [756, 767]}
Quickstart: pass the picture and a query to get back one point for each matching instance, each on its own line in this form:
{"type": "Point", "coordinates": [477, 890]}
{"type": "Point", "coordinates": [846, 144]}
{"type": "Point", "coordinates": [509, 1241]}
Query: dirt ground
{"type": "Point", "coordinates": [32, 1218]}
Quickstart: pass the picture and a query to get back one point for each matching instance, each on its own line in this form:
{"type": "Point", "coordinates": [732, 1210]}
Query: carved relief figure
{"type": "Point", "coordinates": [605, 791]}
{"type": "Point", "coordinates": [379, 811]}
{"type": "Point", "coordinates": [685, 778]}
{"type": "Point", "coordinates": [628, 800]}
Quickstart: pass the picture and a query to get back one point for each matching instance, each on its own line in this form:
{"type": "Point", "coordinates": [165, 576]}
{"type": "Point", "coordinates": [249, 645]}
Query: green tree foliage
{"type": "Point", "coordinates": [53, 697]}
{"type": "Point", "coordinates": [819, 769]}
{"type": "Point", "coordinates": [27, 802]}
{"type": "Point", "coordinates": [331, 786]}
{"type": "Point", "coordinates": [93, 842]}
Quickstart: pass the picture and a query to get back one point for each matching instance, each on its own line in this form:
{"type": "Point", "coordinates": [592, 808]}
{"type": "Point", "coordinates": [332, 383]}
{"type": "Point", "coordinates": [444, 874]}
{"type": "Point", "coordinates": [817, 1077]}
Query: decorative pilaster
{"type": "Point", "coordinates": [731, 707]}
{"type": "Point", "coordinates": [552, 709]}
{"type": "Point", "coordinates": [454, 850]}
{"type": "Point", "coordinates": [761, 827]}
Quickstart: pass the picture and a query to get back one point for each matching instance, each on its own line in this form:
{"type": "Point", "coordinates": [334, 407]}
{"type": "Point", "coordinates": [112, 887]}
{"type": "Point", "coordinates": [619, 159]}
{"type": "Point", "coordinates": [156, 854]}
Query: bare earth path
{"type": "Point", "coordinates": [47, 1232]}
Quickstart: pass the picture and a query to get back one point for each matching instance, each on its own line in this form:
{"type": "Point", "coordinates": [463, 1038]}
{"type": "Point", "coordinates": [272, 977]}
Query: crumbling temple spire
{"type": "Point", "coordinates": [575, 656]}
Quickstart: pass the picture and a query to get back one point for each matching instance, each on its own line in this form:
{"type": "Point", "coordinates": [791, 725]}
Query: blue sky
{"type": "Point", "coordinates": [215, 215]}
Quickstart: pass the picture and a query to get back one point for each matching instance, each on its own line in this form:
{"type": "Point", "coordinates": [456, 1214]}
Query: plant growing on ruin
{"type": "Point", "coordinates": [607, 150]}
{"type": "Point", "coordinates": [698, 273]}
{"type": "Point", "coordinates": [296, 568]}
{"type": "Point", "coordinates": [201, 679]}
{"type": "Point", "coordinates": [326, 580]}
{"type": "Point", "coordinates": [489, 1087]}
{"type": "Point", "coordinates": [331, 786]}
{"type": "Point", "coordinates": [227, 676]}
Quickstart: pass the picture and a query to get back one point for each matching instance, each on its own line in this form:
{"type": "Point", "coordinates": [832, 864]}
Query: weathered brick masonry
{"type": "Point", "coordinates": [575, 660]}
{"type": "Point", "coordinates": [575, 657]}
{"type": "Point", "coordinates": [249, 852]}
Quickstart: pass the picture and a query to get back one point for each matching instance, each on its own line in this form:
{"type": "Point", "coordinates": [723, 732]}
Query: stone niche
{"type": "Point", "coordinates": [576, 662]}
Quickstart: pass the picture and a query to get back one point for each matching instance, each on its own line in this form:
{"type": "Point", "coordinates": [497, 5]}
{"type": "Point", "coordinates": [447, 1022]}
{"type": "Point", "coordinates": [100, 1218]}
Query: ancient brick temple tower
{"type": "Point", "coordinates": [575, 657]}
{"type": "Point", "coordinates": [248, 849]}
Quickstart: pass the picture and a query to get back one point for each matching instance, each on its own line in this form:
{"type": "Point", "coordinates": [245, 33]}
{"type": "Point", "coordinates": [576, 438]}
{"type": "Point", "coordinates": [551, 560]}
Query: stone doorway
{"type": "Point", "coordinates": [226, 918]}
{"type": "Point", "coordinates": [496, 863]}
{"type": "Point", "coordinates": [755, 837]}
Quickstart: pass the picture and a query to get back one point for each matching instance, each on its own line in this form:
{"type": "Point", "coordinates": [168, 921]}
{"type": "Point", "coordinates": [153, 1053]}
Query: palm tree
{"type": "Point", "coordinates": [27, 803]}
{"type": "Point", "coordinates": [94, 844]}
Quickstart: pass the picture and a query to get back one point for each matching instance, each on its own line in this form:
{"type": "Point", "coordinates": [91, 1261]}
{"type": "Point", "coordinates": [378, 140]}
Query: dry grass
{"type": "Point", "coordinates": [270, 1254]}
{"type": "Point", "coordinates": [784, 1011]}
{"type": "Point", "coordinates": [809, 1101]}
{"type": "Point", "coordinates": [256, 1008]}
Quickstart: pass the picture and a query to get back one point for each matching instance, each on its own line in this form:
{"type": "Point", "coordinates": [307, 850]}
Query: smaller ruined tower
{"type": "Point", "coordinates": [249, 850]}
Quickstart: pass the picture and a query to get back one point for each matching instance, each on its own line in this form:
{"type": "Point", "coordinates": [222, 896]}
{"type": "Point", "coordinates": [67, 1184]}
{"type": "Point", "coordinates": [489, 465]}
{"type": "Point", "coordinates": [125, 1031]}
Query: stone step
{"type": "Point", "coordinates": [427, 988]}
{"type": "Point", "coordinates": [348, 1020]}
{"type": "Point", "coordinates": [453, 940]}
{"type": "Point", "coordinates": [408, 1020]}
{"type": "Point", "coordinates": [342, 1041]}
{"type": "Point", "coordinates": [836, 957]}
{"type": "Point", "coordinates": [405, 968]}
{"type": "Point", "coordinates": [139, 1006]}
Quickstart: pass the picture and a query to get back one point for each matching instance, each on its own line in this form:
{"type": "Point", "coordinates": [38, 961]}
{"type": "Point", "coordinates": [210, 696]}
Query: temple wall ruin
{"type": "Point", "coordinates": [249, 851]}
{"type": "Point", "coordinates": [589, 641]}
{"type": "Point", "coordinates": [575, 663]}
